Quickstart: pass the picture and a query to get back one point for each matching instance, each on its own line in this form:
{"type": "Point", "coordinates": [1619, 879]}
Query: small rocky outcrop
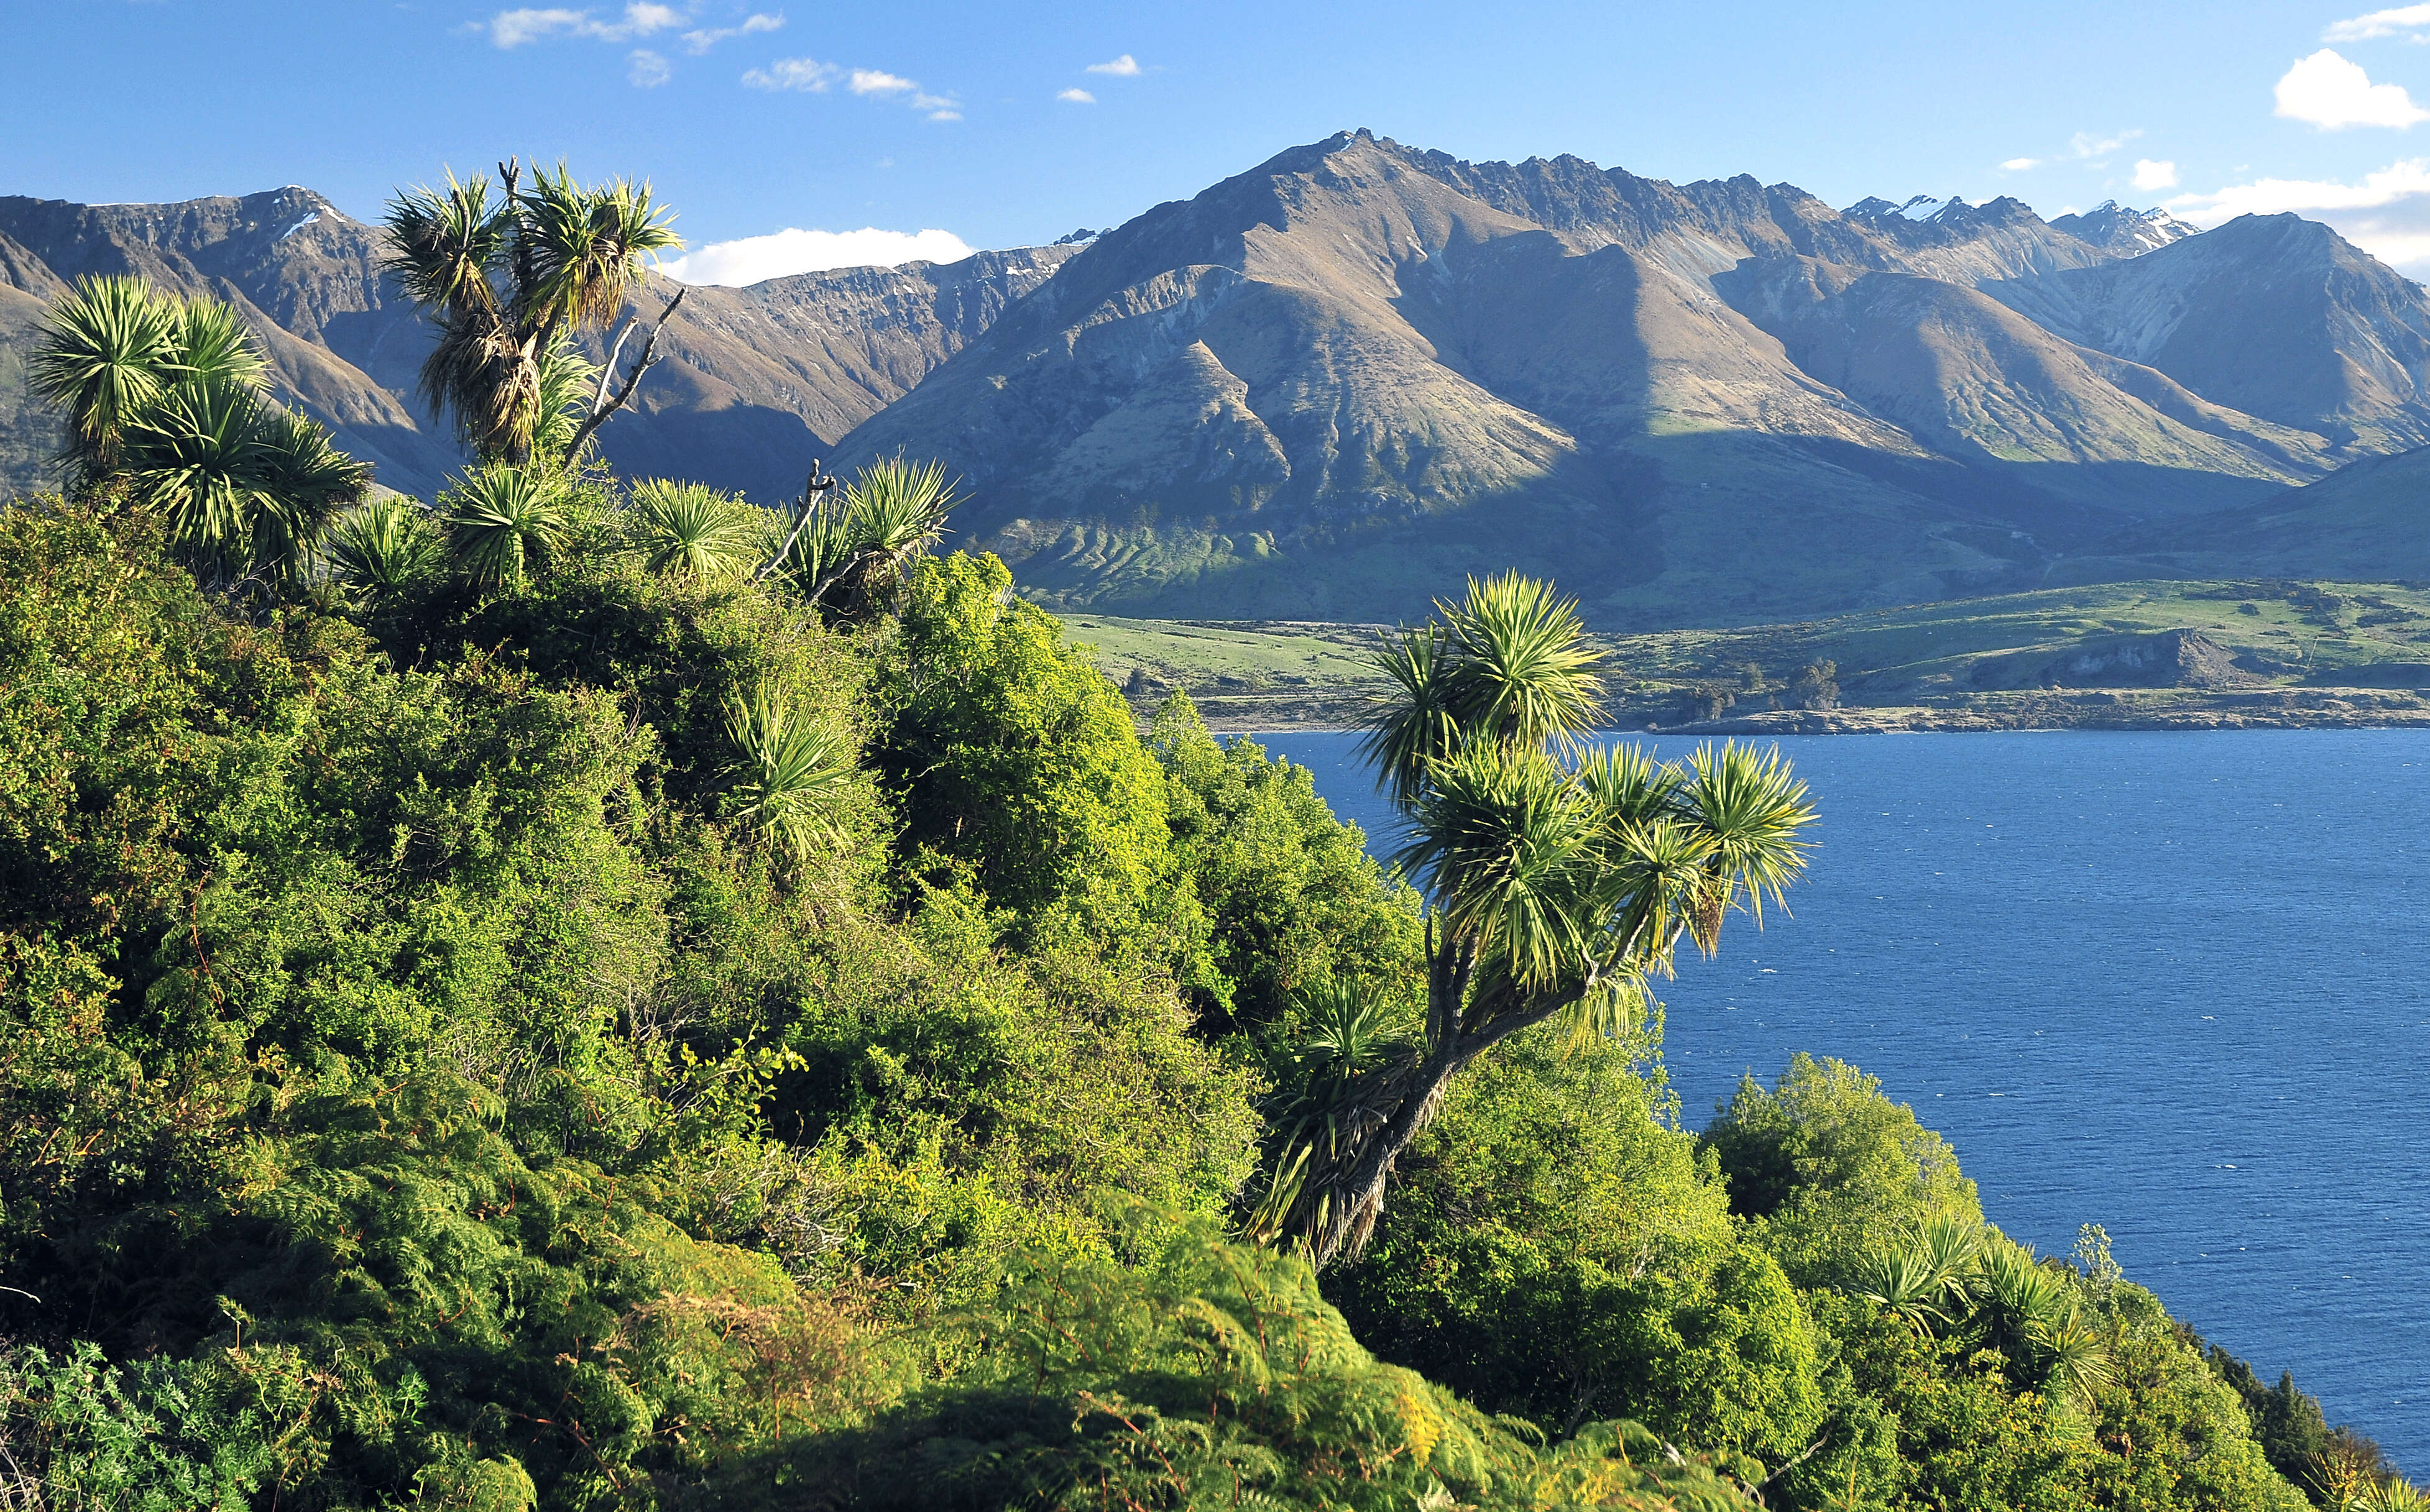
{"type": "Point", "coordinates": [2165, 658]}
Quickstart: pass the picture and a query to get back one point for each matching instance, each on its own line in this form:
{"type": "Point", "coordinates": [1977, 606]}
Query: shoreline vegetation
{"type": "Point", "coordinates": [587, 995]}
{"type": "Point", "coordinates": [2231, 654]}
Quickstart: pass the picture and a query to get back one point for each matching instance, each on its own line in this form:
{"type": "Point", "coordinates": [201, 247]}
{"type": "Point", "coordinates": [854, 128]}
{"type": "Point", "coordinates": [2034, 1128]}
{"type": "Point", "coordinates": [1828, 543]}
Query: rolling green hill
{"type": "Point", "coordinates": [2246, 650]}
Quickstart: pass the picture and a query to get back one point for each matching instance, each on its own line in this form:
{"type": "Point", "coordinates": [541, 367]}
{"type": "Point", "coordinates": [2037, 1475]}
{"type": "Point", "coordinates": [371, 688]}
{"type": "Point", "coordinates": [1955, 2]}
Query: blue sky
{"type": "Point", "coordinates": [996, 126]}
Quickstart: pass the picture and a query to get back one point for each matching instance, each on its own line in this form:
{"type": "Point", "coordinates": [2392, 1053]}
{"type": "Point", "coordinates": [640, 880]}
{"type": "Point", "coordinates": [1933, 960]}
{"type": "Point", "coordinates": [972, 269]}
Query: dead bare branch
{"type": "Point", "coordinates": [600, 412]}
{"type": "Point", "coordinates": [817, 485]}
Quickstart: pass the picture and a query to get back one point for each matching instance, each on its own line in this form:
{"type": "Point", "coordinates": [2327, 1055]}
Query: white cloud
{"type": "Point", "coordinates": [2387, 214]}
{"type": "Point", "coordinates": [2084, 145]}
{"type": "Point", "coordinates": [513, 28]}
{"type": "Point", "coordinates": [756, 258]}
{"type": "Point", "coordinates": [1127, 67]}
{"type": "Point", "coordinates": [2330, 92]}
{"type": "Point", "coordinates": [2394, 22]}
{"type": "Point", "coordinates": [708, 37]}
{"type": "Point", "coordinates": [2270, 196]}
{"type": "Point", "coordinates": [811, 76]}
{"type": "Point", "coordinates": [646, 68]}
{"type": "Point", "coordinates": [1077, 96]}
{"type": "Point", "coordinates": [2150, 174]}
{"type": "Point", "coordinates": [2080, 147]}
{"type": "Point", "coordinates": [806, 75]}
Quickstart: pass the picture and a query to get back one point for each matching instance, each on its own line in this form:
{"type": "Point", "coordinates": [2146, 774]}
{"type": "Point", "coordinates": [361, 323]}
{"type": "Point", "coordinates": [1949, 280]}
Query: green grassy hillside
{"type": "Point", "coordinates": [2265, 644]}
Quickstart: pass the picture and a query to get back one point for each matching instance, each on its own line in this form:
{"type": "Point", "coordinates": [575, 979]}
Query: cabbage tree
{"type": "Point", "coordinates": [168, 399]}
{"type": "Point", "coordinates": [1559, 877]}
{"type": "Point", "coordinates": [510, 278]}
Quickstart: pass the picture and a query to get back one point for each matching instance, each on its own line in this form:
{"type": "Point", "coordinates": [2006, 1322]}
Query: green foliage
{"type": "Point", "coordinates": [1557, 892]}
{"type": "Point", "coordinates": [1824, 1163]}
{"type": "Point", "coordinates": [1509, 664]}
{"type": "Point", "coordinates": [794, 774]}
{"type": "Point", "coordinates": [848, 553]}
{"type": "Point", "coordinates": [1018, 761]}
{"type": "Point", "coordinates": [107, 354]}
{"type": "Point", "coordinates": [159, 1435]}
{"type": "Point", "coordinates": [1203, 1374]}
{"type": "Point", "coordinates": [692, 530]}
{"type": "Point", "coordinates": [1292, 897]}
{"type": "Point", "coordinates": [503, 520]}
{"type": "Point", "coordinates": [602, 1038]}
{"type": "Point", "coordinates": [1558, 1252]}
{"type": "Point", "coordinates": [381, 551]}
{"type": "Point", "coordinates": [168, 400]}
{"type": "Point", "coordinates": [1817, 686]}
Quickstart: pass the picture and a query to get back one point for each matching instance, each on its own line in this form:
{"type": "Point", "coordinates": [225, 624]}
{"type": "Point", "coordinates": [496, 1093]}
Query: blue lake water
{"type": "Point", "coordinates": [2174, 983]}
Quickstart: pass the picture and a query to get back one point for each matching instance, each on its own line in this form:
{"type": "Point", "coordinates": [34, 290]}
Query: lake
{"type": "Point", "coordinates": [2176, 984]}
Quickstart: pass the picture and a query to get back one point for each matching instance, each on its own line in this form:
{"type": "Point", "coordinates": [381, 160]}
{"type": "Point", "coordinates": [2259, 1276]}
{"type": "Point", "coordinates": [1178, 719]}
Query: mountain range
{"type": "Point", "coordinates": [1326, 388]}
{"type": "Point", "coordinates": [754, 383]}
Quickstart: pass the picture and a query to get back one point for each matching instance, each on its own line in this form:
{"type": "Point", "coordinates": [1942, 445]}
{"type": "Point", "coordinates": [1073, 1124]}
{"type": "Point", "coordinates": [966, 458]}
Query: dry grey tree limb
{"type": "Point", "coordinates": [817, 485]}
{"type": "Point", "coordinates": [599, 413]}
{"type": "Point", "coordinates": [615, 355]}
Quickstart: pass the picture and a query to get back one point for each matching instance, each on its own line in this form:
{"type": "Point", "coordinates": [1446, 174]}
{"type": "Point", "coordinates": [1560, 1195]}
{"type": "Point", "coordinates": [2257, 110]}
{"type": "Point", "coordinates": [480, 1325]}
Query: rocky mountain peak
{"type": "Point", "coordinates": [1914, 208]}
{"type": "Point", "coordinates": [2124, 231]}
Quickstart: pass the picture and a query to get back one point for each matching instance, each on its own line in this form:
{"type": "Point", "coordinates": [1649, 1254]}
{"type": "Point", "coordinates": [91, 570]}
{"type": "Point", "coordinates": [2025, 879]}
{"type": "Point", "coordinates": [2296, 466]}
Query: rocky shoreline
{"type": "Point", "coordinates": [2277, 709]}
{"type": "Point", "coordinates": [2273, 709]}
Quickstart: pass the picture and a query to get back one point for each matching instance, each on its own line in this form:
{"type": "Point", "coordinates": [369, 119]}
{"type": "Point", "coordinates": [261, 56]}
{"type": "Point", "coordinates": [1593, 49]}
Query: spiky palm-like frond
{"type": "Point", "coordinates": [1557, 892]}
{"type": "Point", "coordinates": [1529, 672]}
{"type": "Point", "coordinates": [444, 246]}
{"type": "Point", "coordinates": [303, 483]}
{"type": "Point", "coordinates": [898, 506]}
{"type": "Point", "coordinates": [215, 344]}
{"type": "Point", "coordinates": [851, 554]}
{"type": "Point", "coordinates": [1949, 1245]}
{"type": "Point", "coordinates": [793, 773]}
{"type": "Point", "coordinates": [1753, 807]}
{"type": "Point", "coordinates": [378, 550]}
{"type": "Point", "coordinates": [692, 530]}
{"type": "Point", "coordinates": [585, 246]}
{"type": "Point", "coordinates": [1417, 722]}
{"type": "Point", "coordinates": [486, 375]}
{"type": "Point", "coordinates": [564, 383]}
{"type": "Point", "coordinates": [1505, 850]}
{"type": "Point", "coordinates": [502, 520]}
{"type": "Point", "coordinates": [1626, 785]}
{"type": "Point", "coordinates": [2074, 1356]}
{"type": "Point", "coordinates": [1321, 1107]}
{"type": "Point", "coordinates": [508, 284]}
{"type": "Point", "coordinates": [808, 552]}
{"type": "Point", "coordinates": [105, 352]}
{"type": "Point", "coordinates": [168, 395]}
{"type": "Point", "coordinates": [197, 454]}
{"type": "Point", "coordinates": [2393, 1494]}
{"type": "Point", "coordinates": [1509, 664]}
{"type": "Point", "coordinates": [2015, 1298]}
{"type": "Point", "coordinates": [1903, 1283]}
{"type": "Point", "coordinates": [894, 513]}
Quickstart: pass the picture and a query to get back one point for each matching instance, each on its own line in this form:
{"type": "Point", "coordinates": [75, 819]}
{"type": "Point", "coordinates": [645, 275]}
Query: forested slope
{"type": "Point", "coordinates": [426, 1083]}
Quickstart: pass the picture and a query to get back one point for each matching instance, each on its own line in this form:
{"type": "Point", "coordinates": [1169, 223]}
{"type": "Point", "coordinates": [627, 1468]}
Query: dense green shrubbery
{"type": "Point", "coordinates": [424, 1081]}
